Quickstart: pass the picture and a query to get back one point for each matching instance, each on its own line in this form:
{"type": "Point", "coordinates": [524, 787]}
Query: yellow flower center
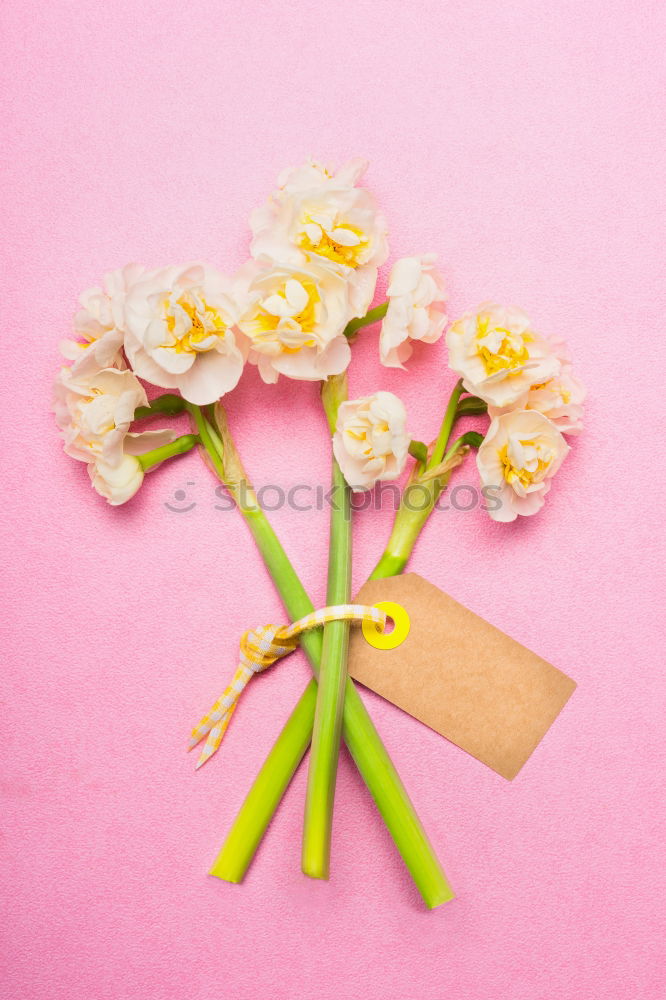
{"type": "Point", "coordinates": [534, 470]}
{"type": "Point", "coordinates": [361, 436]}
{"type": "Point", "coordinates": [343, 244]}
{"type": "Point", "coordinates": [96, 418]}
{"type": "Point", "coordinates": [501, 349]}
{"type": "Point", "coordinates": [206, 325]}
{"type": "Point", "coordinates": [290, 330]}
{"type": "Point", "coordinates": [555, 386]}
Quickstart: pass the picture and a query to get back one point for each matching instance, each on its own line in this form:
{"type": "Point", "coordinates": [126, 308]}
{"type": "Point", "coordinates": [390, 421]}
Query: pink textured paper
{"type": "Point", "coordinates": [518, 140]}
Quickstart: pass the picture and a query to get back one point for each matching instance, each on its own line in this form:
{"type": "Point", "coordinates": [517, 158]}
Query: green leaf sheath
{"type": "Point", "coordinates": [166, 405]}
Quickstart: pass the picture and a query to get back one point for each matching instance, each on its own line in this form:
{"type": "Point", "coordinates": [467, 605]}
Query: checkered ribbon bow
{"type": "Point", "coordinates": [259, 649]}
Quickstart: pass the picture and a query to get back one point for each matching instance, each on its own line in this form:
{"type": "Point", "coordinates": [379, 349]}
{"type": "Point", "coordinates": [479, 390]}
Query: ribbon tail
{"type": "Point", "coordinates": [215, 735]}
{"type": "Point", "coordinates": [199, 731]}
{"type": "Point", "coordinates": [220, 711]}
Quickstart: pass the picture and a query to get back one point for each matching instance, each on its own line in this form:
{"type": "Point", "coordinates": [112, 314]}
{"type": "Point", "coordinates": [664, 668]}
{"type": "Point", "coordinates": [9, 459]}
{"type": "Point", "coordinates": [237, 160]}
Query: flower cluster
{"type": "Point", "coordinates": [318, 244]}
{"type": "Point", "coordinates": [316, 250]}
{"type": "Point", "coordinates": [525, 381]}
{"type": "Point", "coordinates": [533, 399]}
{"type": "Point", "coordinates": [95, 398]}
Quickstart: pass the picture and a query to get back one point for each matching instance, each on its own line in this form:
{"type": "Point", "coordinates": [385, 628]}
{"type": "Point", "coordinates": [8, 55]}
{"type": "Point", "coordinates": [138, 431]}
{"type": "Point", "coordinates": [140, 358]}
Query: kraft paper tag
{"type": "Point", "coordinates": [460, 675]}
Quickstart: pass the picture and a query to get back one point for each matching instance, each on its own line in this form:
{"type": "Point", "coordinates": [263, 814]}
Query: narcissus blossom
{"type": "Point", "coordinates": [100, 323]}
{"type": "Point", "coordinates": [117, 483]}
{"type": "Point", "coordinates": [520, 454]}
{"type": "Point", "coordinates": [370, 441]}
{"type": "Point", "coordinates": [94, 412]}
{"type": "Point", "coordinates": [415, 311]}
{"type": "Point", "coordinates": [293, 318]}
{"type": "Point", "coordinates": [498, 354]}
{"type": "Point", "coordinates": [559, 398]}
{"type": "Point", "coordinates": [180, 332]}
{"type": "Point", "coordinates": [314, 174]}
{"type": "Point", "coordinates": [119, 480]}
{"type": "Point", "coordinates": [316, 215]}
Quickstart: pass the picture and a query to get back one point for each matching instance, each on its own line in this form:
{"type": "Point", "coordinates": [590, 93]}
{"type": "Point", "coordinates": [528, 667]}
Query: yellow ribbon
{"type": "Point", "coordinates": [259, 649]}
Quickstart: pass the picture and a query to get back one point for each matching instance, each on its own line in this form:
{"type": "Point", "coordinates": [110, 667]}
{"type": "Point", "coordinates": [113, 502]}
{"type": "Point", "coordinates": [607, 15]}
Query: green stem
{"type": "Point", "coordinates": [419, 498]}
{"type": "Point", "coordinates": [178, 447]}
{"type": "Point", "coordinates": [269, 786]}
{"type": "Point", "coordinates": [417, 503]}
{"type": "Point", "coordinates": [166, 405]}
{"type": "Point", "coordinates": [327, 728]}
{"type": "Point", "coordinates": [360, 735]}
{"type": "Point", "coordinates": [447, 425]}
{"type": "Point", "coordinates": [373, 316]}
{"type": "Point", "coordinates": [227, 465]}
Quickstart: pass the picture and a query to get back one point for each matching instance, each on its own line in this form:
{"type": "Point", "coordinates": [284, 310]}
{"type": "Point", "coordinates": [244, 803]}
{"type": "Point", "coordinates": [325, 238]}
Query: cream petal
{"type": "Point", "coordinates": [102, 353]}
{"type": "Point", "coordinates": [277, 305]}
{"type": "Point", "coordinates": [506, 512]}
{"type": "Point", "coordinates": [112, 447]}
{"type": "Point", "coordinates": [405, 276]}
{"type": "Point", "coordinates": [110, 381]}
{"type": "Point", "coordinates": [501, 393]}
{"type": "Point", "coordinates": [350, 174]}
{"type": "Point", "coordinates": [71, 349]}
{"type": "Point", "coordinates": [139, 444]}
{"type": "Point", "coordinates": [531, 502]}
{"type": "Point", "coordinates": [302, 365]}
{"type": "Point", "coordinates": [290, 331]}
{"type": "Point", "coordinates": [345, 237]}
{"type": "Point", "coordinates": [297, 297]}
{"type": "Point", "coordinates": [147, 368]}
{"type": "Point", "coordinates": [117, 484]}
{"type": "Point", "coordinates": [362, 284]}
{"type": "Point", "coordinates": [420, 324]}
{"type": "Point", "coordinates": [190, 275]}
{"type": "Point", "coordinates": [201, 346]}
{"type": "Point", "coordinates": [156, 333]}
{"type": "Point", "coordinates": [323, 219]}
{"type": "Point", "coordinates": [335, 357]}
{"type": "Point", "coordinates": [174, 362]}
{"type": "Point", "coordinates": [438, 321]}
{"type": "Point", "coordinates": [212, 376]}
{"type": "Point", "coordinates": [313, 232]}
{"type": "Point", "coordinates": [266, 370]}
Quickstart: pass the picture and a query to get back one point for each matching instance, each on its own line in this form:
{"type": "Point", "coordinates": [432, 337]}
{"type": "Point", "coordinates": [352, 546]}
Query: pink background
{"type": "Point", "coordinates": [520, 142]}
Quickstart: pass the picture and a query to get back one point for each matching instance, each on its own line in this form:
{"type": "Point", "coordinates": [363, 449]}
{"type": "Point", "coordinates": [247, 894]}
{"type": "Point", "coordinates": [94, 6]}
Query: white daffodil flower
{"type": "Point", "coordinates": [371, 443]}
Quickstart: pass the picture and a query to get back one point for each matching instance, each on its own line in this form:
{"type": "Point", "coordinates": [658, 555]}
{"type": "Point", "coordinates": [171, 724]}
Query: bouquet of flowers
{"type": "Point", "coordinates": [294, 310]}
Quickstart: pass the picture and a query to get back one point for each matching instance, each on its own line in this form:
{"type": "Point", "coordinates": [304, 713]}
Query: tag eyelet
{"type": "Point", "coordinates": [388, 640]}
